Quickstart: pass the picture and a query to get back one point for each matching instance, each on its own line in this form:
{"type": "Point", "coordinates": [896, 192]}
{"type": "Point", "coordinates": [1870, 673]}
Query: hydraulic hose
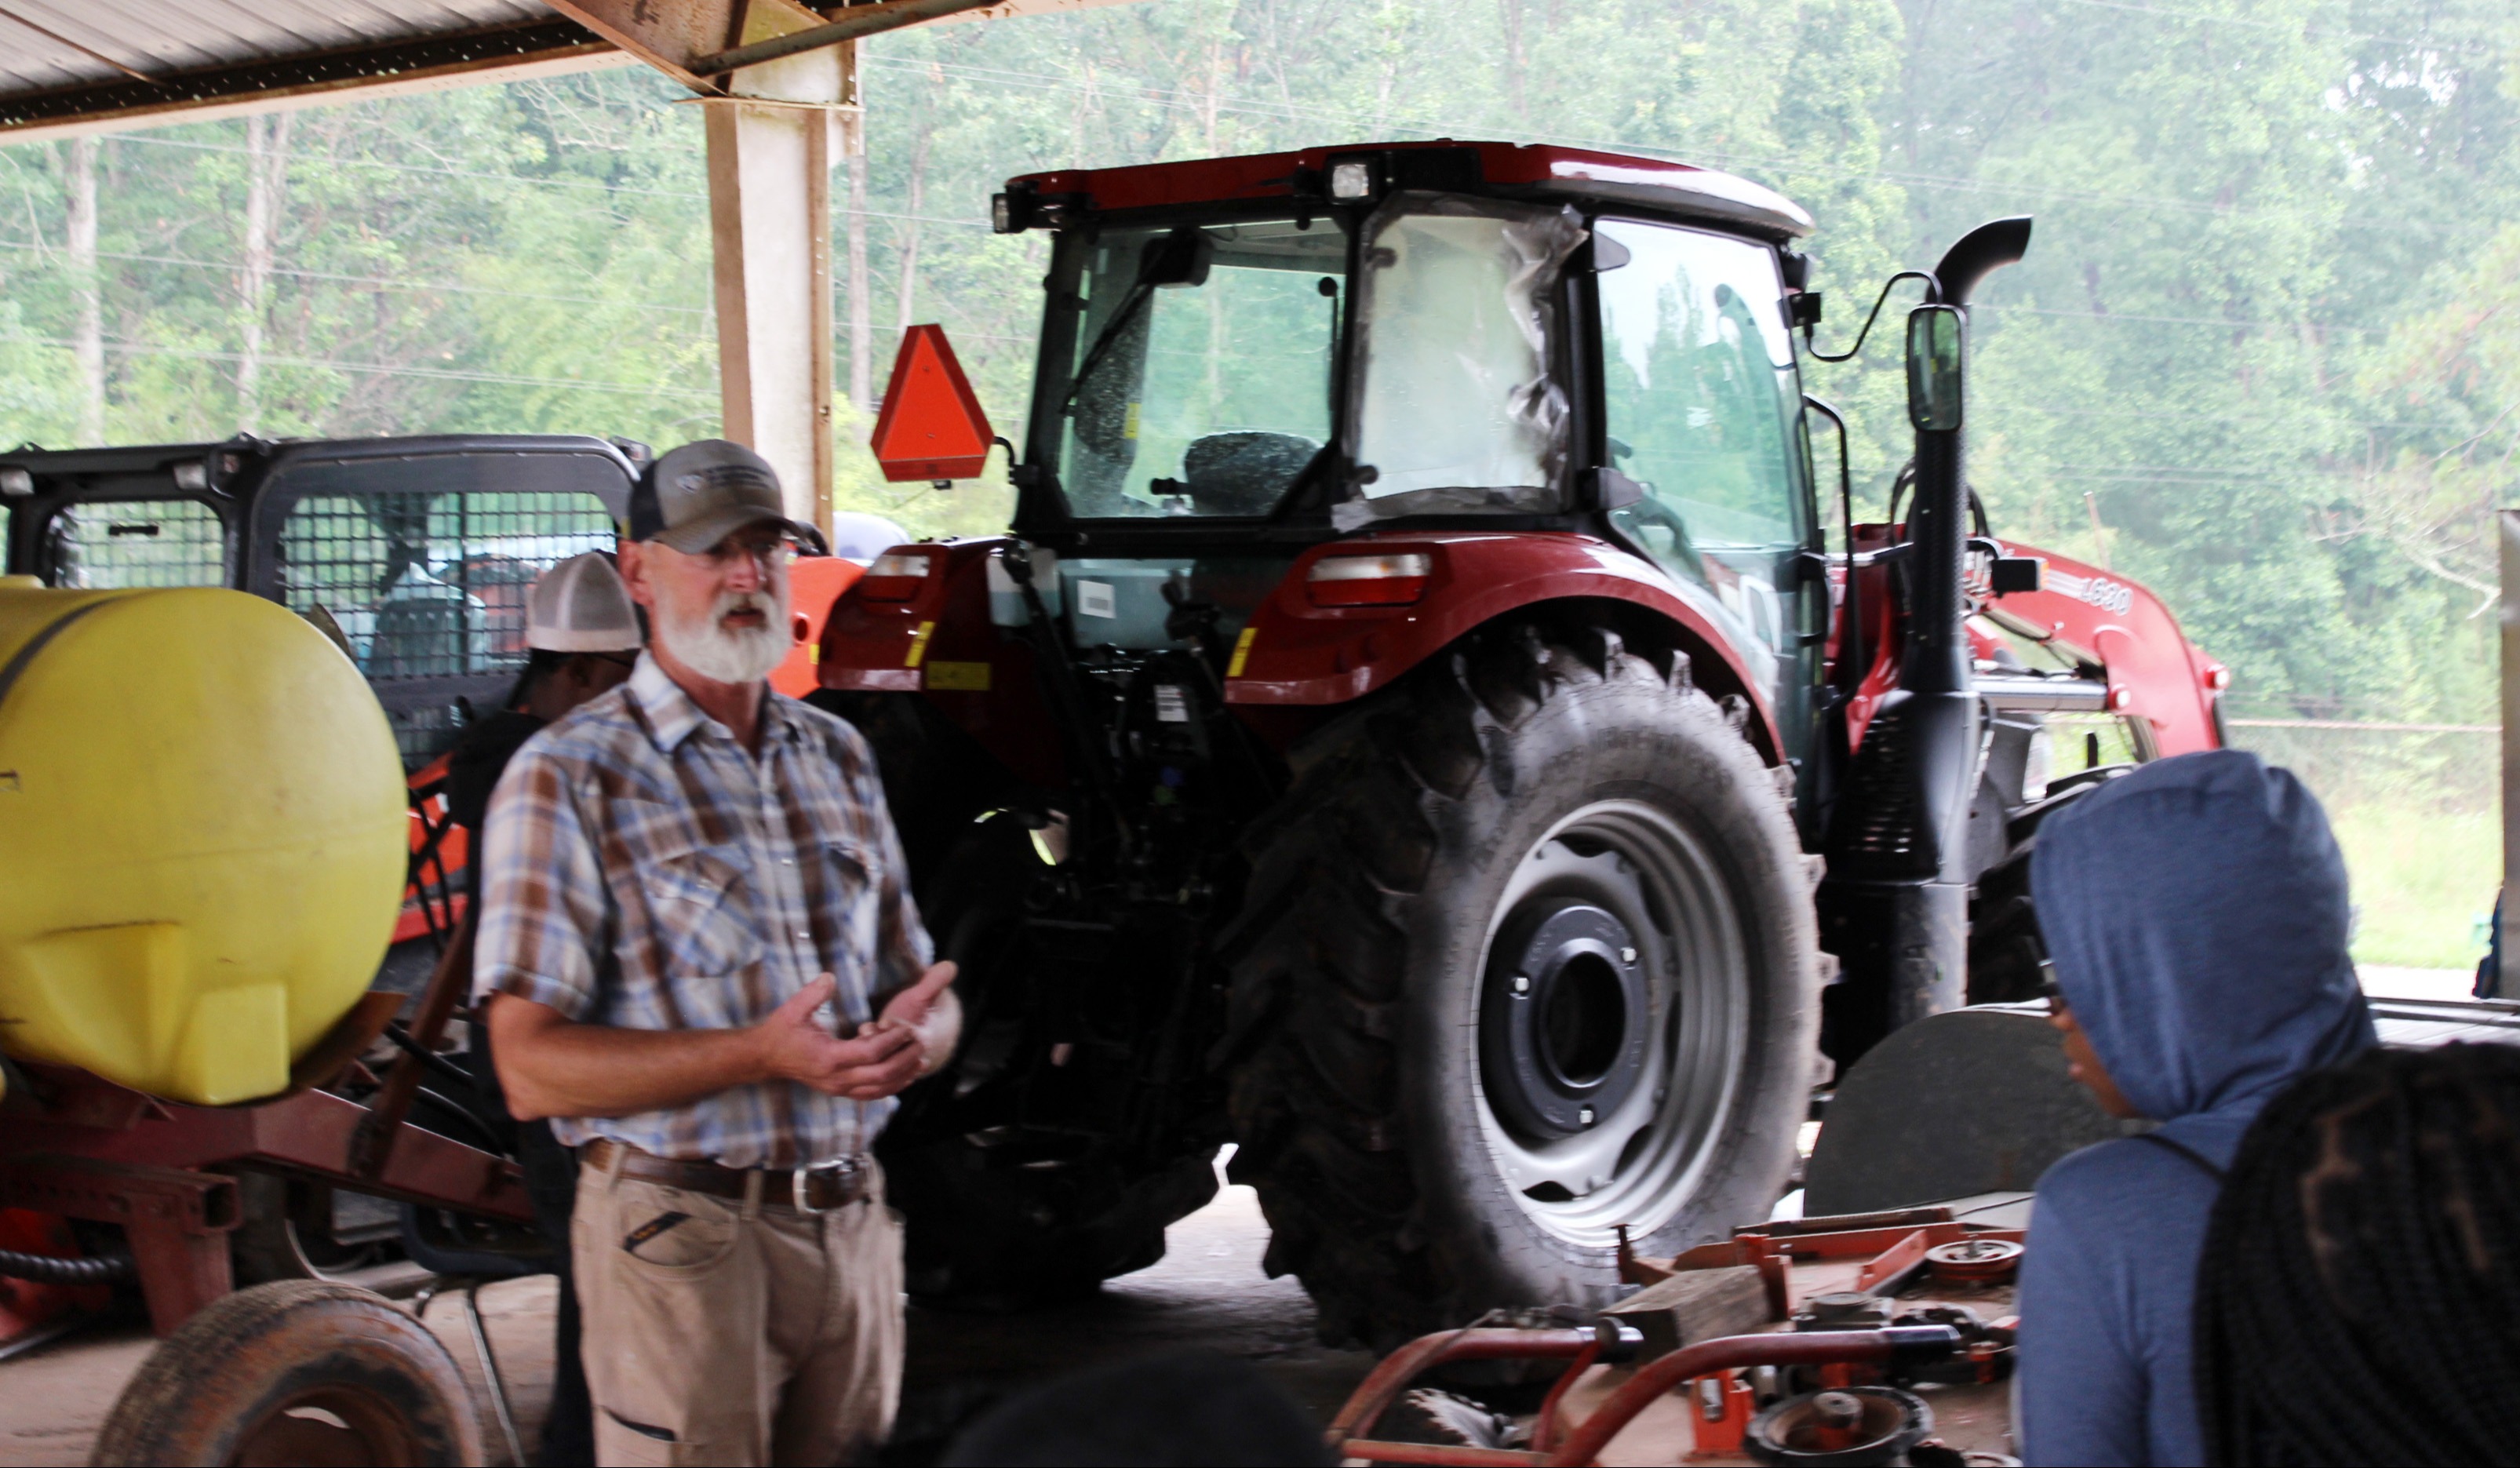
{"type": "Point", "coordinates": [52, 1268]}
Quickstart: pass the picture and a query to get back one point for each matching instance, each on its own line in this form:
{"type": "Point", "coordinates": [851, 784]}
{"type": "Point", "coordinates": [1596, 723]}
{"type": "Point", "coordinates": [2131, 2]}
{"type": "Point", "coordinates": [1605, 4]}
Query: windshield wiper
{"type": "Point", "coordinates": [1179, 258]}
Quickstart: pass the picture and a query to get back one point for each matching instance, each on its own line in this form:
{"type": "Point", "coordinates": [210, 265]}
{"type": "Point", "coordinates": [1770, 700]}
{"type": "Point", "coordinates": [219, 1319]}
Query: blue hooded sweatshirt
{"type": "Point", "coordinates": [2195, 913]}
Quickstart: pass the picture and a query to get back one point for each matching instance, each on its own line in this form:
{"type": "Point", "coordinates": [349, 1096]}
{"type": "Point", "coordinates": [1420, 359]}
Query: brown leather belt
{"type": "Point", "coordinates": [814, 1189]}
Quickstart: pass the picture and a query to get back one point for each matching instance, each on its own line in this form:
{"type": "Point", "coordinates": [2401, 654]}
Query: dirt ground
{"type": "Point", "coordinates": [1208, 1293]}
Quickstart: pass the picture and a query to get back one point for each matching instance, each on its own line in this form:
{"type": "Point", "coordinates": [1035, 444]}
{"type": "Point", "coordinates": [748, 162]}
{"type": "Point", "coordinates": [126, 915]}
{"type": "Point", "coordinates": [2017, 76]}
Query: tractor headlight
{"type": "Point", "coordinates": [1351, 181]}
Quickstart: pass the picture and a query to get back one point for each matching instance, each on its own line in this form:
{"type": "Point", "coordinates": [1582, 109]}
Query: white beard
{"type": "Point", "coordinates": [706, 645]}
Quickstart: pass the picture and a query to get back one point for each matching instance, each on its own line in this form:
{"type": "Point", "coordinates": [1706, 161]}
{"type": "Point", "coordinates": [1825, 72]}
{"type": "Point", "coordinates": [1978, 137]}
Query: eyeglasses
{"type": "Point", "coordinates": [769, 554]}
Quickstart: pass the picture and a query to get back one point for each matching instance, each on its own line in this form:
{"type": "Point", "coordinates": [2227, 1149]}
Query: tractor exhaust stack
{"type": "Point", "coordinates": [1895, 909]}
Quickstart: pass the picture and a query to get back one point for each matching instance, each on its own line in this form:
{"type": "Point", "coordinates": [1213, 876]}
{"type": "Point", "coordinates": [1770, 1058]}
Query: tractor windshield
{"type": "Point", "coordinates": [1199, 374]}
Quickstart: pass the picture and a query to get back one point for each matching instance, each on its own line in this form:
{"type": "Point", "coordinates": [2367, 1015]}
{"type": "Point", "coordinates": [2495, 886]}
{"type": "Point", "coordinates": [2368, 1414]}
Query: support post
{"type": "Point", "coordinates": [770, 152]}
{"type": "Point", "coordinates": [2507, 941]}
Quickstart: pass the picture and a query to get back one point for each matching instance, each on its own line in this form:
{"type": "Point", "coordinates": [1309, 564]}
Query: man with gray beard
{"type": "Point", "coordinates": [699, 960]}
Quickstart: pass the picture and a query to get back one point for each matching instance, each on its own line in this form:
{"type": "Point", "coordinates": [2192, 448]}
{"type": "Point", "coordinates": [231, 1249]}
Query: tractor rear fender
{"type": "Point", "coordinates": [1297, 652]}
{"type": "Point", "coordinates": [931, 634]}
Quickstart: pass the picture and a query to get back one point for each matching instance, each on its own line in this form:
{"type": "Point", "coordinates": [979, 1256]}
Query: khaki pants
{"type": "Point", "coordinates": [734, 1333]}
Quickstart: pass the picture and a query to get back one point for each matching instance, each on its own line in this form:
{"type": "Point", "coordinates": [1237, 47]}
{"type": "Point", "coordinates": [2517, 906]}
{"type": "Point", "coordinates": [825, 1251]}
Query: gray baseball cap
{"type": "Point", "coordinates": [580, 605]}
{"type": "Point", "coordinates": [694, 496]}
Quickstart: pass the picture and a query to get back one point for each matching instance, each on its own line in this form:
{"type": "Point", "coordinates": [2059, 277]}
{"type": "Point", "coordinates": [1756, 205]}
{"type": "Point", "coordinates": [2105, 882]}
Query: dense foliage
{"type": "Point", "coordinates": [2264, 354]}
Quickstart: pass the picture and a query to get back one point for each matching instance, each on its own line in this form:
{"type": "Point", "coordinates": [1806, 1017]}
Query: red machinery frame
{"type": "Point", "coordinates": [1892, 1244]}
{"type": "Point", "coordinates": [79, 1147]}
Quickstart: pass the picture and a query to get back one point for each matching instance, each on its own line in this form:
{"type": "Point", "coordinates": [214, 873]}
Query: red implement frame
{"type": "Point", "coordinates": [82, 1148]}
{"type": "Point", "coordinates": [1585, 1443]}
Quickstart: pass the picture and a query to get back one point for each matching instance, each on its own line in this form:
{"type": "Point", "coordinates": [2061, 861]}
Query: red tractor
{"type": "Point", "coordinates": [1415, 729]}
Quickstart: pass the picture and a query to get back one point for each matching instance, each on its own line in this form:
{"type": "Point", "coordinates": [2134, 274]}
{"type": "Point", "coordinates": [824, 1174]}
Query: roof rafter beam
{"type": "Point", "coordinates": [854, 22]}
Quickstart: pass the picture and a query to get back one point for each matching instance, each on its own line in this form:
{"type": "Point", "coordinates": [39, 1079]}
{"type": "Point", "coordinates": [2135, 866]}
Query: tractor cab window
{"type": "Point", "coordinates": [1456, 410]}
{"type": "Point", "coordinates": [1199, 382]}
{"type": "Point", "coordinates": [109, 545]}
{"type": "Point", "coordinates": [1702, 410]}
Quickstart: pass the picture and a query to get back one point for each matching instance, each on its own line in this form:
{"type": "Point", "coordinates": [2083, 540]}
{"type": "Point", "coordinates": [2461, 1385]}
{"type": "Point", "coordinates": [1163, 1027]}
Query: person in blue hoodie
{"type": "Point", "coordinates": [2195, 918]}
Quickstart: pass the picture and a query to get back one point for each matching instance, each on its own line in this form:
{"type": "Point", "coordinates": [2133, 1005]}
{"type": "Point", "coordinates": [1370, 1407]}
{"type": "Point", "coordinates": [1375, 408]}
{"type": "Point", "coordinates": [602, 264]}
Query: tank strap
{"type": "Point", "coordinates": [2203, 1164]}
{"type": "Point", "coordinates": [16, 666]}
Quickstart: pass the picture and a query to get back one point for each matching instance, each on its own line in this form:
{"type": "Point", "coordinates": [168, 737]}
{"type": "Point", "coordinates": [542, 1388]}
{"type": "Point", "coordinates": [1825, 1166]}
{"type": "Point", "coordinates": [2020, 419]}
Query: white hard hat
{"type": "Point", "coordinates": [862, 537]}
{"type": "Point", "coordinates": [580, 605]}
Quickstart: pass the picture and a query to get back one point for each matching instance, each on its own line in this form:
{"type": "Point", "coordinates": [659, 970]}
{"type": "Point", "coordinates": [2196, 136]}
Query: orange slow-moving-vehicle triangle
{"type": "Point", "coordinates": [931, 426]}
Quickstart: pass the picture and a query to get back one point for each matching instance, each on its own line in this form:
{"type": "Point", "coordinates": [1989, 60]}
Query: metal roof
{"type": "Point", "coordinates": [83, 66]}
{"type": "Point", "coordinates": [49, 44]}
{"type": "Point", "coordinates": [91, 65]}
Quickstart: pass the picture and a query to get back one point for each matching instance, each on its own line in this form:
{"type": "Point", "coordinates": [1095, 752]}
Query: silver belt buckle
{"type": "Point", "coordinates": [797, 1183]}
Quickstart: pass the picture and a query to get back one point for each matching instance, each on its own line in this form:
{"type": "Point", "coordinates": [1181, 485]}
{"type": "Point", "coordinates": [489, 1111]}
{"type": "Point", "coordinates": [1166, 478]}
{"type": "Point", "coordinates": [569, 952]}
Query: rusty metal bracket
{"type": "Point", "coordinates": [372, 1145]}
{"type": "Point", "coordinates": [177, 1222]}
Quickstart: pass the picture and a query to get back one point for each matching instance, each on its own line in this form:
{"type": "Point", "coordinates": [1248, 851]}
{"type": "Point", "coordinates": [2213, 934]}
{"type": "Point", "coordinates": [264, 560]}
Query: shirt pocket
{"type": "Point", "coordinates": [700, 906]}
{"type": "Point", "coordinates": [852, 883]}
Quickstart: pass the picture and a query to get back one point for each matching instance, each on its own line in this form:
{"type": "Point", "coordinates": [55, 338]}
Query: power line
{"type": "Point", "coordinates": [2182, 321]}
{"type": "Point", "coordinates": [519, 179]}
{"type": "Point", "coordinates": [453, 374]}
{"type": "Point", "coordinates": [1190, 101]}
{"type": "Point", "coordinates": [386, 281]}
{"type": "Point", "coordinates": [2461, 49]}
{"type": "Point", "coordinates": [2222, 418]}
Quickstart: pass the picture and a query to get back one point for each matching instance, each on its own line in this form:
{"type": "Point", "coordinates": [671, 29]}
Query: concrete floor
{"type": "Point", "coordinates": [1208, 1293]}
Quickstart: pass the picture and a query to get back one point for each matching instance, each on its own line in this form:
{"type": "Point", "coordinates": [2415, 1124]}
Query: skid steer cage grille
{"type": "Point", "coordinates": [430, 591]}
{"type": "Point", "coordinates": [109, 545]}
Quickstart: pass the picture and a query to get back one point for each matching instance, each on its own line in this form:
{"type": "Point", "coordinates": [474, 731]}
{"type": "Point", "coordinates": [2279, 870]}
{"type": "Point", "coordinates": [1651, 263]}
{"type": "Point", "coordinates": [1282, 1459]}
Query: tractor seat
{"type": "Point", "coordinates": [1244, 471]}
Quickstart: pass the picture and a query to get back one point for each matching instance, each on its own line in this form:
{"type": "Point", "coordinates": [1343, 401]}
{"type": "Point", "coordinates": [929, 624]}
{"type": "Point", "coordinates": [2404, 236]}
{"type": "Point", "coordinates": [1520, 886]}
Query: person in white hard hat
{"type": "Point", "coordinates": [583, 636]}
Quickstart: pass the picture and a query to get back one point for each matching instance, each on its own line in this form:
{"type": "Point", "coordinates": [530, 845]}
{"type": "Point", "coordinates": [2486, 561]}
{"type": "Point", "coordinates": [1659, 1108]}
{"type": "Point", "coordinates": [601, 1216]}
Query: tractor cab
{"type": "Point", "coordinates": [1246, 357]}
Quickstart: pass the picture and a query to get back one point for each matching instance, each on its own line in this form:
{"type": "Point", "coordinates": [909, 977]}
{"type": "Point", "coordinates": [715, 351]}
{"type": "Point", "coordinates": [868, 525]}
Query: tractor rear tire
{"type": "Point", "coordinates": [1529, 954]}
{"type": "Point", "coordinates": [298, 1371]}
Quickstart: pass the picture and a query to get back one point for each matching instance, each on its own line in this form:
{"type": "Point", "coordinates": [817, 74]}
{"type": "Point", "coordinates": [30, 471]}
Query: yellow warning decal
{"type": "Point", "coordinates": [1242, 651]}
{"type": "Point", "coordinates": [958, 678]}
{"type": "Point", "coordinates": [918, 644]}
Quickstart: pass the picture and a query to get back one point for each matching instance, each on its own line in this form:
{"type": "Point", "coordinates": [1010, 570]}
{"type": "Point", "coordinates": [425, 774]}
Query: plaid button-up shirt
{"type": "Point", "coordinates": [644, 870]}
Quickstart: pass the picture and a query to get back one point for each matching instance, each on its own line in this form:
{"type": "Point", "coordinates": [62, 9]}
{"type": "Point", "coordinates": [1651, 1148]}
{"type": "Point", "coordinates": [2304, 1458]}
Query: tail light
{"type": "Point", "coordinates": [2218, 679]}
{"type": "Point", "coordinates": [1393, 580]}
{"type": "Point", "coordinates": [896, 576]}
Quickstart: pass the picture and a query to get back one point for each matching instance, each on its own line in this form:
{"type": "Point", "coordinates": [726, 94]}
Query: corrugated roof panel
{"type": "Point", "coordinates": [46, 44]}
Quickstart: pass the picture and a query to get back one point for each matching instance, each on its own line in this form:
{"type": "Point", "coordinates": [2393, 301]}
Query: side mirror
{"type": "Point", "coordinates": [1934, 353]}
{"type": "Point", "coordinates": [931, 426]}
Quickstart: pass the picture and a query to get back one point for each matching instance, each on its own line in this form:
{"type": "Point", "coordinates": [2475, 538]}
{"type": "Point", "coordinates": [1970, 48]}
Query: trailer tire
{"type": "Point", "coordinates": [1542, 796]}
{"type": "Point", "coordinates": [297, 1372]}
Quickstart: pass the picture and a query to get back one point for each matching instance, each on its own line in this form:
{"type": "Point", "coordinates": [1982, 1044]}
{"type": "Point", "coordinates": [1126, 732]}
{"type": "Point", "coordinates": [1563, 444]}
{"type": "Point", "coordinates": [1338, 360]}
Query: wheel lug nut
{"type": "Point", "coordinates": [1584, 1115]}
{"type": "Point", "coordinates": [1627, 956]}
{"type": "Point", "coordinates": [1522, 983]}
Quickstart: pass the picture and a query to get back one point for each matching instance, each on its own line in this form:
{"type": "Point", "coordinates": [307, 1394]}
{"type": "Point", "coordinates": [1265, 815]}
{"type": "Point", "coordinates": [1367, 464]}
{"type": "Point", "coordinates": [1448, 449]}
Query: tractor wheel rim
{"type": "Point", "coordinates": [1613, 875]}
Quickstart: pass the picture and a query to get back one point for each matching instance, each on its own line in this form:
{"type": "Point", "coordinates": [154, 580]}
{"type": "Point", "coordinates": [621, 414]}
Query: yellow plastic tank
{"type": "Point", "coordinates": [203, 829]}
